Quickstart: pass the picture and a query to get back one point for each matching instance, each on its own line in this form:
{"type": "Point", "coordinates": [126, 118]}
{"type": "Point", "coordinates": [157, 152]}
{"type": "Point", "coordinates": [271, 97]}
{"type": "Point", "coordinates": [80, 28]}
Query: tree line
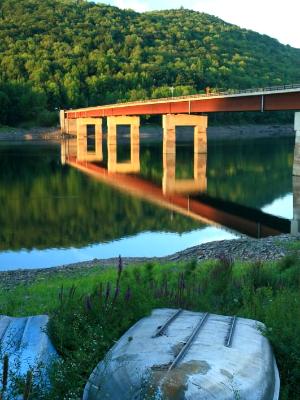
{"type": "Point", "coordinates": [74, 53]}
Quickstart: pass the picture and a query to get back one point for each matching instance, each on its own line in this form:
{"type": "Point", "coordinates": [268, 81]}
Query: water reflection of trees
{"type": "Point", "coordinates": [247, 172]}
{"type": "Point", "coordinates": [45, 205]}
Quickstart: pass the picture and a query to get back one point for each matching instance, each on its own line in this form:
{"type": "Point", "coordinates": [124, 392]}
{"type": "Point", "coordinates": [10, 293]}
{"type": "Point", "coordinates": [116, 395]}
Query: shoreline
{"type": "Point", "coordinates": [36, 134]}
{"type": "Point", "coordinates": [154, 132]}
{"type": "Point", "coordinates": [246, 249]}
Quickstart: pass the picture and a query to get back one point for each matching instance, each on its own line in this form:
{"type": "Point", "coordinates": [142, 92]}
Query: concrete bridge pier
{"type": "Point", "coordinates": [295, 223]}
{"type": "Point", "coordinates": [62, 121]}
{"type": "Point", "coordinates": [199, 183]}
{"type": "Point", "coordinates": [296, 165]}
{"type": "Point", "coordinates": [89, 139]}
{"type": "Point", "coordinates": [170, 121]}
{"type": "Point", "coordinates": [129, 166]}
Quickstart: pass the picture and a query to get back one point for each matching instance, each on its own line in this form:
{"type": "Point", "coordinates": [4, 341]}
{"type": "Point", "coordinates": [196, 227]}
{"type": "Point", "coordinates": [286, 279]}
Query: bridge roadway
{"type": "Point", "coordinates": [279, 98]}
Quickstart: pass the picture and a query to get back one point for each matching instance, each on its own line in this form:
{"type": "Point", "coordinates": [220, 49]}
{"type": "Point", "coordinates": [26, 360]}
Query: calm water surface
{"type": "Point", "coordinates": [52, 214]}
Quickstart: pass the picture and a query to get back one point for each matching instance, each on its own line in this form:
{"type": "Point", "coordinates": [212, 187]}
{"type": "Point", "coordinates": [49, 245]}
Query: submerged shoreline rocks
{"type": "Point", "coordinates": [245, 249]}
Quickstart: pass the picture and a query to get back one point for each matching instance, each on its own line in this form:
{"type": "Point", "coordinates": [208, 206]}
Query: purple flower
{"type": "Point", "coordinates": [128, 294]}
{"type": "Point", "coordinates": [120, 266]}
{"type": "Point", "coordinates": [107, 293]}
{"type": "Point", "coordinates": [88, 303]}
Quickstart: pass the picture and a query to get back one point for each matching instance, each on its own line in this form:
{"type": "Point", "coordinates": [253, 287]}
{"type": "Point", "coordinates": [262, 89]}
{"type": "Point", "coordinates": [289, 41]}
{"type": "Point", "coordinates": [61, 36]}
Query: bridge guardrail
{"type": "Point", "coordinates": [204, 95]}
{"type": "Point", "coordinates": [214, 94]}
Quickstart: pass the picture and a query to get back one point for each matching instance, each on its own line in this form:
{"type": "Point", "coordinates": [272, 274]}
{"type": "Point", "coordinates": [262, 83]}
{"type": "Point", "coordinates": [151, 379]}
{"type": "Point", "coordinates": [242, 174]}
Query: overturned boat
{"type": "Point", "coordinates": [25, 345]}
{"type": "Point", "coordinates": [177, 354]}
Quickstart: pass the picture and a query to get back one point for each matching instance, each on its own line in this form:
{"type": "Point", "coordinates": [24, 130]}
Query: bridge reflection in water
{"type": "Point", "coordinates": [185, 196]}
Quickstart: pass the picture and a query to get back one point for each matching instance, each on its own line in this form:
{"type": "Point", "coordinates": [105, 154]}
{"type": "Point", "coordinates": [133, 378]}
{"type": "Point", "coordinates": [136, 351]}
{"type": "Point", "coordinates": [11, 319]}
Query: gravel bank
{"type": "Point", "coordinates": [30, 135]}
{"type": "Point", "coordinates": [154, 132]}
{"type": "Point", "coordinates": [227, 132]}
{"type": "Point", "coordinates": [272, 248]}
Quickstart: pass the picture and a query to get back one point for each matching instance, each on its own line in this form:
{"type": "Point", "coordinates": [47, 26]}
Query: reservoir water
{"type": "Point", "coordinates": [53, 213]}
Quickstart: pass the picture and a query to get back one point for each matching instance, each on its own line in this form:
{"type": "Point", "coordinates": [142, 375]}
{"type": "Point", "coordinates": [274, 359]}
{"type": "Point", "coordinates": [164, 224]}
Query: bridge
{"type": "Point", "coordinates": [260, 99]}
{"type": "Point", "coordinates": [193, 110]}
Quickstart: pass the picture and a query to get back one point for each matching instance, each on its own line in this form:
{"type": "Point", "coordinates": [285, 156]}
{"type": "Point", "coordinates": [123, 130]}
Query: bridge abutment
{"type": "Point", "coordinates": [62, 121]}
{"type": "Point", "coordinates": [89, 139]}
{"type": "Point", "coordinates": [295, 223]}
{"type": "Point", "coordinates": [132, 165]}
{"type": "Point", "coordinates": [296, 165]}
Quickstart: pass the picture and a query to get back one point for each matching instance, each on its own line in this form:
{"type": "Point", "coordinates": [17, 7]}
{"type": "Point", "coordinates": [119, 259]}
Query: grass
{"type": "Point", "coordinates": [90, 311]}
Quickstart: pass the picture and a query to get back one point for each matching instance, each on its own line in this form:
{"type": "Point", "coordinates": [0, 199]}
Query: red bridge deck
{"type": "Point", "coordinates": [267, 99]}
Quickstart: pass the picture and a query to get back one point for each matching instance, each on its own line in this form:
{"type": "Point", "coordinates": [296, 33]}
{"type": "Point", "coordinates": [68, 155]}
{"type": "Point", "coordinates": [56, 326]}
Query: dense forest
{"type": "Point", "coordinates": [69, 53]}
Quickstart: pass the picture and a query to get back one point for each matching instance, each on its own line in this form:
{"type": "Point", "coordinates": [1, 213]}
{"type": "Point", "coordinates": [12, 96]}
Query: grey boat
{"type": "Point", "coordinates": [177, 354]}
{"type": "Point", "coordinates": [26, 344]}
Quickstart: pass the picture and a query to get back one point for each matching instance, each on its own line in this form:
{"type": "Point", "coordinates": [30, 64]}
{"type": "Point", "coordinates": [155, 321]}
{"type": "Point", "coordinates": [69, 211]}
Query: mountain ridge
{"type": "Point", "coordinates": [67, 54]}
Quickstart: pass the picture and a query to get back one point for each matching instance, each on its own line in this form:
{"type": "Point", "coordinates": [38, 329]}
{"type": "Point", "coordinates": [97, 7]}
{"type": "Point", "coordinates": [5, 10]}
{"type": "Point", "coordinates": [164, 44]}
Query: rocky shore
{"type": "Point", "coordinates": [271, 248]}
{"type": "Point", "coordinates": [39, 134]}
{"type": "Point", "coordinates": [227, 132]}
{"type": "Point", "coordinates": [154, 132]}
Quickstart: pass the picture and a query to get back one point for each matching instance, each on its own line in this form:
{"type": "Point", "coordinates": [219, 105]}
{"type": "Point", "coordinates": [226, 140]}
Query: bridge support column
{"type": "Point", "coordinates": [132, 165]}
{"type": "Point", "coordinates": [199, 183]}
{"type": "Point", "coordinates": [295, 223]}
{"type": "Point", "coordinates": [170, 121]}
{"type": "Point", "coordinates": [89, 139]}
{"type": "Point", "coordinates": [296, 165]}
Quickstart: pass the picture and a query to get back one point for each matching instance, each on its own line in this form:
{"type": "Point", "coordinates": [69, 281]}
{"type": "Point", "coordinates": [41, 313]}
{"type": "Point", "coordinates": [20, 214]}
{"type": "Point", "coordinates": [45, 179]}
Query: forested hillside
{"type": "Point", "coordinates": [70, 53]}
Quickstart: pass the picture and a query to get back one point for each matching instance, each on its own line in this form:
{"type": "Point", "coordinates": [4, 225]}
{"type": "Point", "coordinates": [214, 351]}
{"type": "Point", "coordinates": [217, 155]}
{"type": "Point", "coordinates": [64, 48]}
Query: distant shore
{"type": "Point", "coordinates": [154, 132]}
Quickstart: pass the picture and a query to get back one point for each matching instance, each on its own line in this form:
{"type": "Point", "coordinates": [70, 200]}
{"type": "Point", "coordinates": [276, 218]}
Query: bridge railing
{"type": "Point", "coordinates": [214, 94]}
{"type": "Point", "coordinates": [229, 92]}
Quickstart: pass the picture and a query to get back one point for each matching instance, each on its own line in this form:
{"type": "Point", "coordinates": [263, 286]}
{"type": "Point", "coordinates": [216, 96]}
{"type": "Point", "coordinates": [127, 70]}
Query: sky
{"type": "Point", "coordinates": [276, 18]}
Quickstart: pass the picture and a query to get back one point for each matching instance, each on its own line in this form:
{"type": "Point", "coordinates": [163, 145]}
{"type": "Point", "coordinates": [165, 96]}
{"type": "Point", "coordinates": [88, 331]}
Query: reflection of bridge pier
{"type": "Point", "coordinates": [172, 185]}
{"type": "Point", "coordinates": [89, 139]}
{"type": "Point", "coordinates": [198, 183]}
{"type": "Point", "coordinates": [295, 223]}
{"type": "Point", "coordinates": [133, 165]}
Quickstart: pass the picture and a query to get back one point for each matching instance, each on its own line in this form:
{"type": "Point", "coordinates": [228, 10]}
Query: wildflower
{"type": "Point", "coordinates": [88, 303]}
{"type": "Point", "coordinates": [128, 294]}
{"type": "Point", "coordinates": [107, 293]}
{"type": "Point", "coordinates": [120, 267]}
